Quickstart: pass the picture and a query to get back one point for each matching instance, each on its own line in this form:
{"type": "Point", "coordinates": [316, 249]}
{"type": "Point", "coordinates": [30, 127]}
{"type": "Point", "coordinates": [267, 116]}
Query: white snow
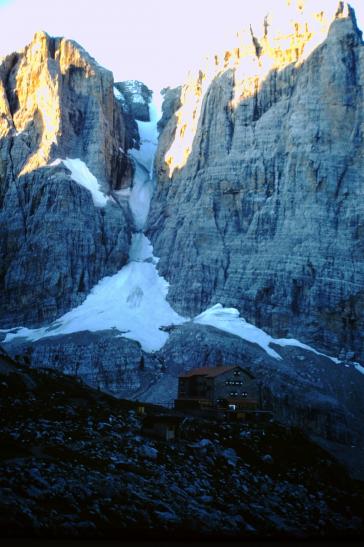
{"type": "Point", "coordinates": [142, 189]}
{"type": "Point", "coordinates": [81, 174]}
{"type": "Point", "coordinates": [133, 301]}
{"type": "Point", "coordinates": [140, 196]}
{"type": "Point", "coordinates": [359, 368]}
{"type": "Point", "coordinates": [293, 342]}
{"type": "Point", "coordinates": [138, 98]}
{"type": "Point", "coordinates": [118, 95]}
{"type": "Point", "coordinates": [141, 249]}
{"type": "Point", "coordinates": [148, 139]}
{"type": "Point", "coordinates": [124, 193]}
{"type": "Point", "coordinates": [229, 320]}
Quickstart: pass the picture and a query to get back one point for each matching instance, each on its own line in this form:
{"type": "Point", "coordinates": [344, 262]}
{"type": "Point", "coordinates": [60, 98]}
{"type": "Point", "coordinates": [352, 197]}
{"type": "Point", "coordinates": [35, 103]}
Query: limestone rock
{"type": "Point", "coordinates": [102, 359]}
{"type": "Point", "coordinates": [260, 183]}
{"type": "Point", "coordinates": [55, 246]}
{"type": "Point", "coordinates": [77, 462]}
{"type": "Point", "coordinates": [134, 98]}
{"type": "Point", "coordinates": [171, 103]}
{"type": "Point", "coordinates": [137, 97]}
{"type": "Point", "coordinates": [57, 102]}
{"type": "Point", "coordinates": [304, 390]}
{"type": "Point", "coordinates": [167, 127]}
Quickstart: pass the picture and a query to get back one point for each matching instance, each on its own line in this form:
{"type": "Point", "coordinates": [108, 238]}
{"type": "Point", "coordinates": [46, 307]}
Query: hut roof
{"type": "Point", "coordinates": [212, 372]}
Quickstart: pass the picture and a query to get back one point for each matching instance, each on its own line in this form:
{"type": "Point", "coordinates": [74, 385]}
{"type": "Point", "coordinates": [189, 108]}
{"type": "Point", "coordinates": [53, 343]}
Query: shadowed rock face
{"type": "Point", "coordinates": [137, 98]}
{"type": "Point", "coordinates": [134, 98]}
{"type": "Point", "coordinates": [263, 212]}
{"type": "Point", "coordinates": [55, 246]}
{"type": "Point", "coordinates": [57, 102]}
{"type": "Point", "coordinates": [303, 389]}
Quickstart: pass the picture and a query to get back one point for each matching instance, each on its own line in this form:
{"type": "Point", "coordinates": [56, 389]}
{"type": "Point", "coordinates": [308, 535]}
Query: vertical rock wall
{"type": "Point", "coordinates": [57, 102]}
{"type": "Point", "coordinates": [259, 202]}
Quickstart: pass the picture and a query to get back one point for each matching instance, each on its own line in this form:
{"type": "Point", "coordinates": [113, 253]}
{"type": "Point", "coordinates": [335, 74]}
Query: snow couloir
{"type": "Point", "coordinates": [134, 301]}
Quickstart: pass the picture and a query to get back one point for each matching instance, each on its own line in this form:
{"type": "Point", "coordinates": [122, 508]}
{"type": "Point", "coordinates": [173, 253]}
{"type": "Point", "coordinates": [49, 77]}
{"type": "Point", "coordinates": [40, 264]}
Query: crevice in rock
{"type": "Point", "coordinates": [257, 46]}
{"type": "Point", "coordinates": [10, 88]}
{"type": "Point", "coordinates": [15, 182]}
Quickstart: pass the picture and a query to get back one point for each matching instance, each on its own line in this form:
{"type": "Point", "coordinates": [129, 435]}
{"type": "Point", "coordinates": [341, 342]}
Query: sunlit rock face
{"type": "Point", "coordinates": [56, 101]}
{"type": "Point", "coordinates": [56, 243]}
{"type": "Point", "coordinates": [259, 202]}
{"type": "Point", "coordinates": [287, 36]}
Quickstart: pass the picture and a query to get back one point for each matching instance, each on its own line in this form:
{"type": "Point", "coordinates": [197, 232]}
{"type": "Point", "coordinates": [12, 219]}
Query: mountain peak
{"type": "Point", "coordinates": [57, 101]}
{"type": "Point", "coordinates": [286, 36]}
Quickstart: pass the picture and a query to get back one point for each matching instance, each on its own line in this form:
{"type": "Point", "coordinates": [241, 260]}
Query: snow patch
{"type": "Point", "coordinates": [81, 174]}
{"type": "Point", "coordinates": [118, 95]}
{"type": "Point", "coordinates": [133, 301]}
{"type": "Point", "coordinates": [142, 190]}
{"type": "Point", "coordinates": [229, 320]}
{"type": "Point", "coordinates": [148, 140]}
{"type": "Point", "coordinates": [141, 249]}
{"type": "Point", "coordinates": [140, 196]}
{"type": "Point", "coordinates": [359, 368]}
{"type": "Point", "coordinates": [293, 342]}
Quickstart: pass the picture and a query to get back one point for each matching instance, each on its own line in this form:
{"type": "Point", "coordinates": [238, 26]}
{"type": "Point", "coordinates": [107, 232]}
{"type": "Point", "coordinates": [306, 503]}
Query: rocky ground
{"type": "Point", "coordinates": [75, 463]}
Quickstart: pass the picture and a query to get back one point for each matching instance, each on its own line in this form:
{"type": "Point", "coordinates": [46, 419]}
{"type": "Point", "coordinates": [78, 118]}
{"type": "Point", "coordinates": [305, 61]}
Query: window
{"type": "Point", "coordinates": [233, 393]}
{"type": "Point", "coordinates": [236, 372]}
{"type": "Point", "coordinates": [244, 394]}
{"type": "Point", "coordinates": [232, 407]}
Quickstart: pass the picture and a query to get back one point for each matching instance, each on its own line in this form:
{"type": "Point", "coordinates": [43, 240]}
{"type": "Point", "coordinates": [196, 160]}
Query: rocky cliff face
{"type": "Point", "coordinates": [57, 102]}
{"type": "Point", "coordinates": [134, 98]}
{"type": "Point", "coordinates": [260, 182]}
{"type": "Point", "coordinates": [137, 97]}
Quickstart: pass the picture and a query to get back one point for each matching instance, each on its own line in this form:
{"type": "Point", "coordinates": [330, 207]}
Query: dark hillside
{"type": "Point", "coordinates": [74, 463]}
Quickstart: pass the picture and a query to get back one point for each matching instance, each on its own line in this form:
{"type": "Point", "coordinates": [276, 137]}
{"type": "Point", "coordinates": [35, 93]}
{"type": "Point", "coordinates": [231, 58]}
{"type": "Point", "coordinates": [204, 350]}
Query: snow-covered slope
{"type": "Point", "coordinates": [229, 320]}
{"type": "Point", "coordinates": [133, 301]}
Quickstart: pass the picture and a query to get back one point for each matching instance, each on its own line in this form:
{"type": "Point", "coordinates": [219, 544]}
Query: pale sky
{"type": "Point", "coordinates": [155, 41]}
